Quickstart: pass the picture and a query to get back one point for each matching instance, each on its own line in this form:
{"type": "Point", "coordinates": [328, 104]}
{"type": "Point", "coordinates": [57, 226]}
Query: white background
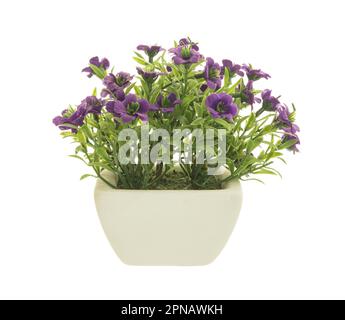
{"type": "Point", "coordinates": [290, 238]}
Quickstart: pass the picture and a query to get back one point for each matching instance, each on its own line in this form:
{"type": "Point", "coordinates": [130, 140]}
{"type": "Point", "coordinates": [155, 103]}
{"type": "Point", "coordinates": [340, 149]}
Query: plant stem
{"type": "Point", "coordinates": [98, 173]}
{"type": "Point", "coordinates": [185, 81]}
{"type": "Point", "coordinates": [105, 180]}
{"type": "Point", "coordinates": [261, 110]}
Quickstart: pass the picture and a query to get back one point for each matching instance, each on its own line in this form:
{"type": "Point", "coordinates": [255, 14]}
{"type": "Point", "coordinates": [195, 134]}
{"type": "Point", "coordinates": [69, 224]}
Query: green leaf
{"type": "Point", "coordinates": [94, 92]}
{"type": "Point", "coordinates": [206, 94]}
{"type": "Point", "coordinates": [287, 144]}
{"type": "Point", "coordinates": [72, 126]}
{"type": "Point", "coordinates": [239, 122]}
{"type": "Point", "coordinates": [199, 109]}
{"type": "Point", "coordinates": [140, 61]}
{"type": "Point", "coordinates": [130, 88]}
{"type": "Point", "coordinates": [87, 132]}
{"type": "Point", "coordinates": [137, 91]}
{"type": "Point", "coordinates": [234, 86]}
{"type": "Point", "coordinates": [249, 161]}
{"type": "Point", "coordinates": [223, 123]}
{"type": "Point", "coordinates": [292, 116]}
{"type": "Point", "coordinates": [274, 170]}
{"type": "Point", "coordinates": [100, 165]}
{"type": "Point", "coordinates": [252, 144]}
{"type": "Point", "coordinates": [281, 159]}
{"type": "Point", "coordinates": [266, 129]}
{"type": "Point", "coordinates": [101, 151]}
{"type": "Point", "coordinates": [230, 165]}
{"type": "Point", "coordinates": [84, 176]}
{"type": "Point", "coordinates": [92, 123]}
{"type": "Point", "coordinates": [251, 121]}
{"type": "Point", "coordinates": [81, 137]}
{"type": "Point", "coordinates": [275, 154]}
{"type": "Point", "coordinates": [77, 157]}
{"type": "Point", "coordinates": [266, 171]}
{"type": "Point", "coordinates": [187, 101]}
{"type": "Point", "coordinates": [99, 72]}
{"type": "Point", "coordinates": [226, 78]}
{"type": "Point", "coordinates": [154, 95]}
{"type": "Point", "coordinates": [253, 179]}
{"type": "Point", "coordinates": [198, 121]}
{"type": "Point", "coordinates": [139, 55]}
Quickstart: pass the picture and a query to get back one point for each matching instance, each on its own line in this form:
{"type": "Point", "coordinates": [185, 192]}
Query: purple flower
{"type": "Point", "coordinates": [248, 95]}
{"type": "Point", "coordinates": [188, 42]}
{"type": "Point", "coordinates": [104, 63]}
{"type": "Point", "coordinates": [221, 106]}
{"type": "Point", "coordinates": [151, 51]}
{"type": "Point", "coordinates": [120, 80]}
{"type": "Point", "coordinates": [129, 109]}
{"type": "Point", "coordinates": [149, 76]}
{"type": "Point", "coordinates": [76, 119]}
{"type": "Point", "coordinates": [89, 105]}
{"type": "Point", "coordinates": [212, 74]}
{"type": "Point", "coordinates": [92, 105]}
{"type": "Point", "coordinates": [291, 134]}
{"type": "Point", "coordinates": [118, 94]}
{"type": "Point", "coordinates": [185, 55]}
{"type": "Point", "coordinates": [283, 115]}
{"type": "Point", "coordinates": [254, 74]}
{"type": "Point", "coordinates": [115, 84]}
{"type": "Point", "coordinates": [166, 104]}
{"type": "Point", "coordinates": [290, 129]}
{"type": "Point", "coordinates": [269, 102]}
{"type": "Point", "coordinates": [233, 68]}
{"type": "Point", "coordinates": [169, 69]}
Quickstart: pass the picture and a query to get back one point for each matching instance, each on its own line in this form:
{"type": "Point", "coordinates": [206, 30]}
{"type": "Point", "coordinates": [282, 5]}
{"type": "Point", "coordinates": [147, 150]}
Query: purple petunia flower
{"type": "Point", "coordinates": [290, 129]}
{"type": "Point", "coordinates": [115, 84]}
{"type": "Point", "coordinates": [89, 105]}
{"type": "Point", "coordinates": [212, 74]}
{"type": "Point", "coordinates": [188, 42]}
{"type": "Point", "coordinates": [248, 95]}
{"type": "Point", "coordinates": [118, 94]}
{"type": "Point", "coordinates": [291, 134]}
{"type": "Point", "coordinates": [92, 105]}
{"type": "Point", "coordinates": [129, 109]}
{"type": "Point", "coordinates": [166, 104]}
{"type": "Point", "coordinates": [76, 119]}
{"type": "Point", "coordinates": [120, 80]}
{"type": "Point", "coordinates": [221, 106]}
{"type": "Point", "coordinates": [185, 55]}
{"type": "Point", "coordinates": [254, 74]}
{"type": "Point", "coordinates": [149, 76]}
{"type": "Point", "coordinates": [151, 51]}
{"type": "Point", "coordinates": [104, 63]}
{"type": "Point", "coordinates": [269, 102]}
{"type": "Point", "coordinates": [233, 68]}
{"type": "Point", "coordinates": [283, 115]}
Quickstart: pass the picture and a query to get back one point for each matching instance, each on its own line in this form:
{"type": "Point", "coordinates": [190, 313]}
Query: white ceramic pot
{"type": "Point", "coordinates": [168, 227]}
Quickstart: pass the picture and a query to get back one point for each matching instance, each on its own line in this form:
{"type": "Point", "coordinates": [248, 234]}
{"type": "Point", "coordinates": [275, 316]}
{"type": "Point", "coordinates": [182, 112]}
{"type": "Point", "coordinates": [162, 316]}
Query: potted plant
{"type": "Point", "coordinates": [169, 148]}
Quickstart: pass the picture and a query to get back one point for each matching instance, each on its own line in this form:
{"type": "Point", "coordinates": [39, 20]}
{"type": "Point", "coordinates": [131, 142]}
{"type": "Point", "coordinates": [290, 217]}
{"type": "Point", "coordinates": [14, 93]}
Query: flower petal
{"type": "Point", "coordinates": [130, 98]}
{"type": "Point", "coordinates": [143, 116]}
{"type": "Point", "coordinates": [144, 106]}
{"type": "Point", "coordinates": [95, 61]}
{"type": "Point", "coordinates": [212, 101]}
{"type": "Point", "coordinates": [119, 107]}
{"type": "Point", "coordinates": [126, 117]}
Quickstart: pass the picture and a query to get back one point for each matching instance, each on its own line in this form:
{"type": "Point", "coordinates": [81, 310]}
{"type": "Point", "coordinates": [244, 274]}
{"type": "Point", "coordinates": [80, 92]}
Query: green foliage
{"type": "Point", "coordinates": [253, 139]}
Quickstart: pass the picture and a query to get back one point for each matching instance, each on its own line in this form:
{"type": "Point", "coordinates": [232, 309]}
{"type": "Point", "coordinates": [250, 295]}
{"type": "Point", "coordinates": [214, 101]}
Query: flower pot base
{"type": "Point", "coordinates": [168, 227]}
